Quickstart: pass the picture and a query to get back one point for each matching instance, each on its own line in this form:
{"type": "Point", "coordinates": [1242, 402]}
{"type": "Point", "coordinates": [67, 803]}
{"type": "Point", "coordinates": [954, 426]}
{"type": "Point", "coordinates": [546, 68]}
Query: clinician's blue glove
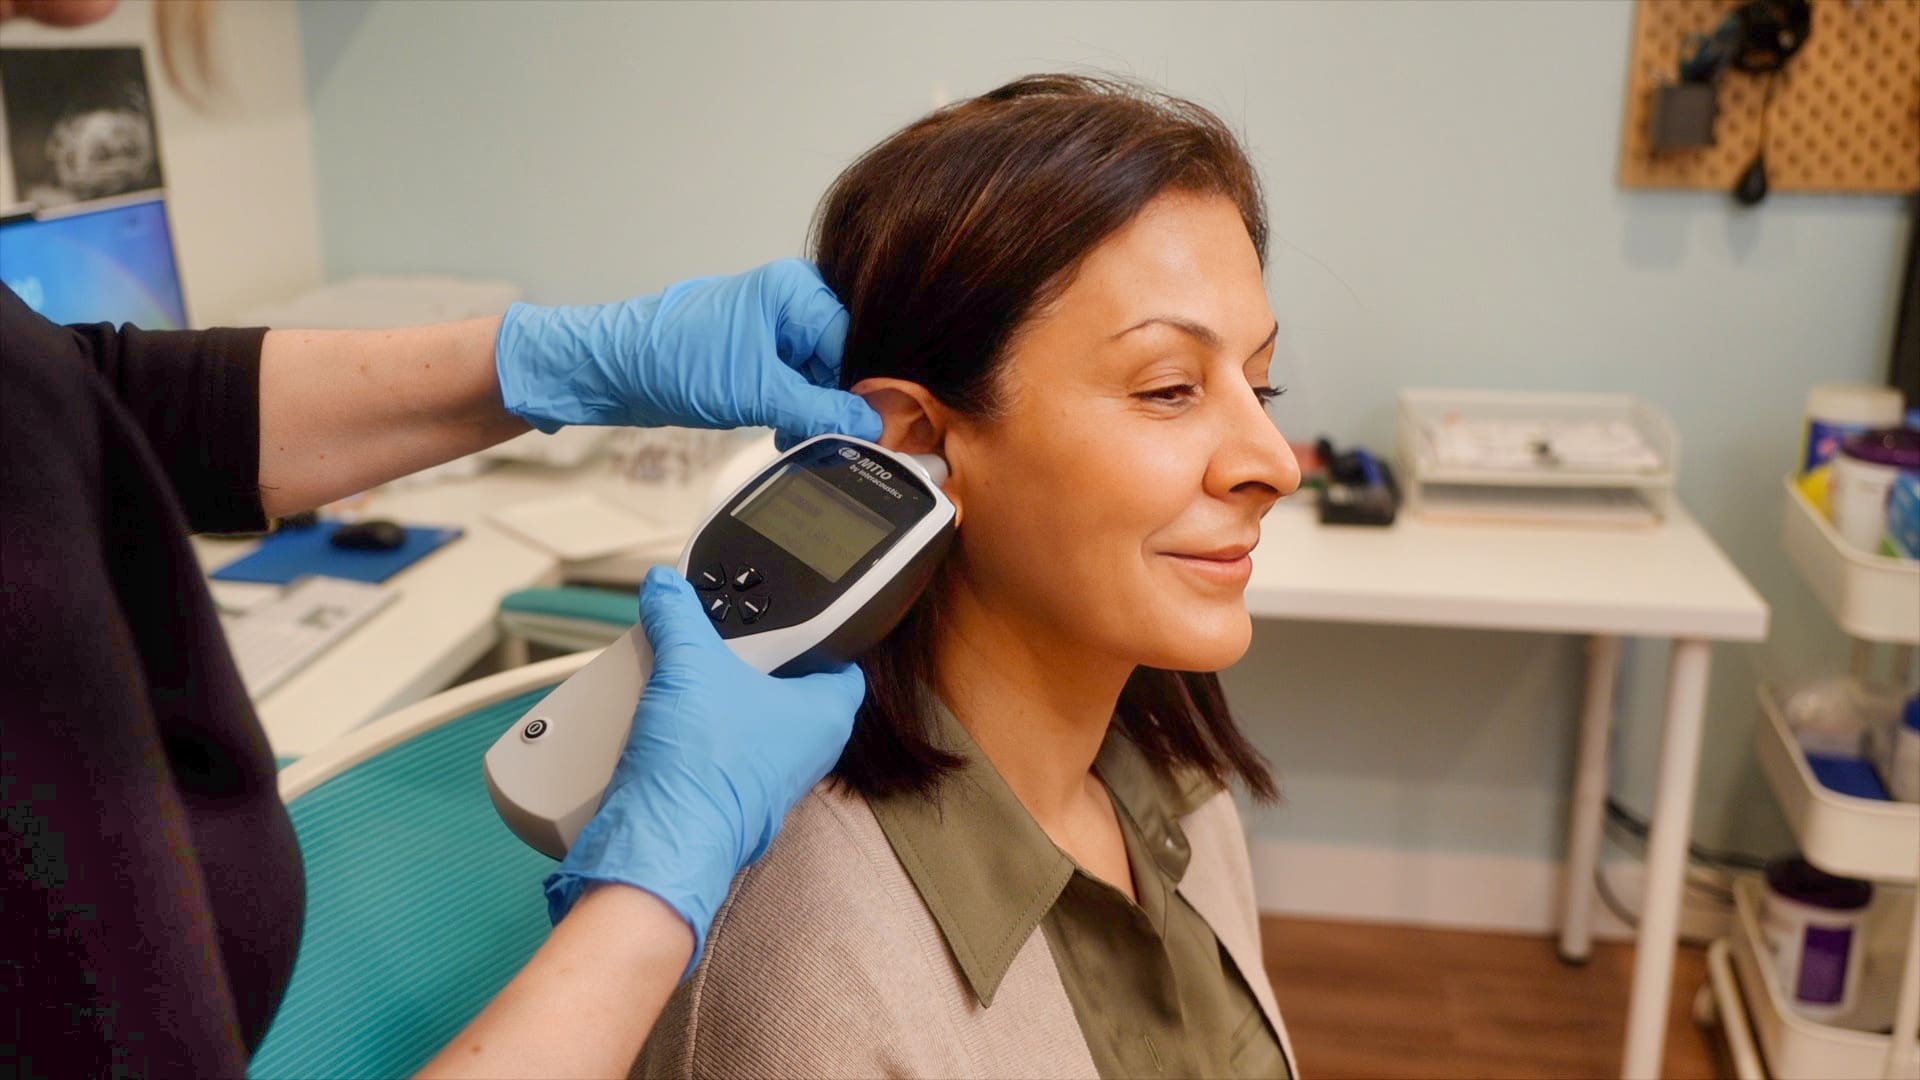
{"type": "Point", "coordinates": [759, 349]}
{"type": "Point", "coordinates": [718, 754]}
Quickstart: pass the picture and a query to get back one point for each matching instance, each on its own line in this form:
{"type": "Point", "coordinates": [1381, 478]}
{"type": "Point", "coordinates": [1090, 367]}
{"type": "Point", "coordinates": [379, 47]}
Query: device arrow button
{"type": "Point", "coordinates": [752, 607]}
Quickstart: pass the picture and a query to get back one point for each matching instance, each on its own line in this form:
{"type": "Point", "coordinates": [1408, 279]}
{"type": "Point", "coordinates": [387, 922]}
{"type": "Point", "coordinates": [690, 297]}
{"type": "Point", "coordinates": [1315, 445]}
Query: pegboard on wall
{"type": "Point", "coordinates": [1845, 114]}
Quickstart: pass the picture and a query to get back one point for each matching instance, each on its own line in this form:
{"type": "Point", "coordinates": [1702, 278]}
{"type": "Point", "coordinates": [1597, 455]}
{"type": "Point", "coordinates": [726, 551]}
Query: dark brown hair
{"type": "Point", "coordinates": [943, 242]}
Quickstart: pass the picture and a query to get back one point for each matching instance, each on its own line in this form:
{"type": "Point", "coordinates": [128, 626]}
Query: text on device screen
{"type": "Point", "coordinates": [816, 522]}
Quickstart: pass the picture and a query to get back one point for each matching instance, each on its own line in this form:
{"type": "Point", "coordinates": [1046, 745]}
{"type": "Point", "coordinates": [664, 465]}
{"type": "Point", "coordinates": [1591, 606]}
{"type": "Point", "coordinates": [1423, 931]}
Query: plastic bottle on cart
{"type": "Point", "coordinates": [1835, 411]}
{"type": "Point", "coordinates": [1900, 765]}
{"type": "Point", "coordinates": [1864, 473]}
{"type": "Point", "coordinates": [1814, 927]}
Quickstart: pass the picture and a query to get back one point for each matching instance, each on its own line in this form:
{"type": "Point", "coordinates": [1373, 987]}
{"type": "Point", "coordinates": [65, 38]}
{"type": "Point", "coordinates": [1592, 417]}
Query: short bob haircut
{"type": "Point", "coordinates": [943, 241]}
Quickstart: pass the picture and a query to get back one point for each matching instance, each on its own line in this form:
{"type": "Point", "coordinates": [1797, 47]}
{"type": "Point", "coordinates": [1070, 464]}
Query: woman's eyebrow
{"type": "Point", "coordinates": [1204, 334]}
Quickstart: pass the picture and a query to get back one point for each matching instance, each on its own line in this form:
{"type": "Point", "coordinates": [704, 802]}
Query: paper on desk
{"type": "Point", "coordinates": [582, 526]}
{"type": "Point", "coordinates": [240, 597]}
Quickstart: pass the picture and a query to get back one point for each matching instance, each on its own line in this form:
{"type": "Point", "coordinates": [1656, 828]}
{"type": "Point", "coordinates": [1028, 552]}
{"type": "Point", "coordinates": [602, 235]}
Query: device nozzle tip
{"type": "Point", "coordinates": [934, 466]}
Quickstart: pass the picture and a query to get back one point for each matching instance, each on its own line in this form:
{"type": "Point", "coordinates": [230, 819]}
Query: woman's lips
{"type": "Point", "coordinates": [1226, 566]}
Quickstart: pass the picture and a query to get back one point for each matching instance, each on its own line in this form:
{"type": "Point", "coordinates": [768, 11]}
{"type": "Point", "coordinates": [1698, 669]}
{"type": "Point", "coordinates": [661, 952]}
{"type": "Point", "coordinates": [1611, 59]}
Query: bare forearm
{"type": "Point", "coordinates": [584, 1004]}
{"type": "Point", "coordinates": [344, 410]}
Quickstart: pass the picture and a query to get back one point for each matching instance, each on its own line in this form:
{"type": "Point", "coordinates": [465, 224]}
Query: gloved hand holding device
{"type": "Point", "coordinates": [717, 755]}
{"type": "Point", "coordinates": [747, 350]}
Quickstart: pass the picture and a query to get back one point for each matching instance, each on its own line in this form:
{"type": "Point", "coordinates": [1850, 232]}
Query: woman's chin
{"type": "Point", "coordinates": [1202, 641]}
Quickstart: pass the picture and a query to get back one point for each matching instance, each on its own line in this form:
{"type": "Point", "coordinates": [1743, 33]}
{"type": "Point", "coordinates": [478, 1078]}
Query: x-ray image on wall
{"type": "Point", "coordinates": [79, 124]}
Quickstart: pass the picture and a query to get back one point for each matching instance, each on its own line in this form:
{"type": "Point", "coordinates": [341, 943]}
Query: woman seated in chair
{"type": "Point", "coordinates": [1027, 862]}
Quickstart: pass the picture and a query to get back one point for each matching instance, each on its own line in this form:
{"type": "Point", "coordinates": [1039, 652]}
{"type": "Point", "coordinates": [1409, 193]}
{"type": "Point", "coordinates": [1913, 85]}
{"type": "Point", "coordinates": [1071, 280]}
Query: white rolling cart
{"type": "Point", "coordinates": [1876, 601]}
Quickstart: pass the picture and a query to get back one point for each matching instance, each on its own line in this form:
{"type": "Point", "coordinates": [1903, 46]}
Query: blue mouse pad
{"type": "Point", "coordinates": [295, 553]}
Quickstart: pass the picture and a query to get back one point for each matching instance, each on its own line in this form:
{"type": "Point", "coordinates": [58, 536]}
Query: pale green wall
{"type": "Point", "coordinates": [1441, 183]}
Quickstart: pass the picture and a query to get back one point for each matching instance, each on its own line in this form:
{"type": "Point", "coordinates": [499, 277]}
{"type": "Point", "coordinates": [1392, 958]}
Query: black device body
{"type": "Point", "coordinates": [752, 581]}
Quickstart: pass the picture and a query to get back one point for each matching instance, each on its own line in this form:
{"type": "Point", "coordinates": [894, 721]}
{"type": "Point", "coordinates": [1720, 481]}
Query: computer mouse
{"type": "Point", "coordinates": [373, 535]}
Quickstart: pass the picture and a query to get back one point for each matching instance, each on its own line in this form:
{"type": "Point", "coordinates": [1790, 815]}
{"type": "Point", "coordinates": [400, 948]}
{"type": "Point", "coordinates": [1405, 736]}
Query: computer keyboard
{"type": "Point", "coordinates": [272, 640]}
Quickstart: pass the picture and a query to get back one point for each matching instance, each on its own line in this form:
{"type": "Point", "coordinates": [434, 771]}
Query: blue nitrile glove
{"type": "Point", "coordinates": [759, 349]}
{"type": "Point", "coordinates": [719, 753]}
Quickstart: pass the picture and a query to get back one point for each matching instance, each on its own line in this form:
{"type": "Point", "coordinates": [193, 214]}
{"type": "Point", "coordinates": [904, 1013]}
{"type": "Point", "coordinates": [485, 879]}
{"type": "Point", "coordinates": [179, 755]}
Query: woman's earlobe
{"type": "Point", "coordinates": [914, 421]}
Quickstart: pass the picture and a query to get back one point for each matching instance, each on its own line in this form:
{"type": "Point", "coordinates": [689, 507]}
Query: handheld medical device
{"type": "Point", "coordinates": [802, 568]}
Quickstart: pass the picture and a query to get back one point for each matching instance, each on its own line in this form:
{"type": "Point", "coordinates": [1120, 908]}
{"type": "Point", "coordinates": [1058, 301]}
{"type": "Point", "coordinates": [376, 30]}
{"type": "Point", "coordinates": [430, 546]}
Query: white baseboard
{"type": "Point", "coordinates": [1500, 893]}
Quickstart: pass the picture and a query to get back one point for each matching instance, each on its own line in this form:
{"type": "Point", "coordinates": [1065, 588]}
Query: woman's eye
{"type": "Point", "coordinates": [1268, 394]}
{"type": "Point", "coordinates": [1169, 395]}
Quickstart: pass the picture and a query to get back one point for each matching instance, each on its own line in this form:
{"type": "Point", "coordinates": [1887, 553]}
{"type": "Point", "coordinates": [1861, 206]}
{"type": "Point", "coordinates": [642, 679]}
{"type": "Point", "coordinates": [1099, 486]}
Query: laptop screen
{"type": "Point", "coordinates": [108, 265]}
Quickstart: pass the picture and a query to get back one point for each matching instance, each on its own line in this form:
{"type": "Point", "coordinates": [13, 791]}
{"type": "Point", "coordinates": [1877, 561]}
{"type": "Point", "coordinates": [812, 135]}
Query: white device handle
{"type": "Point", "coordinates": [548, 773]}
{"type": "Point", "coordinates": [548, 816]}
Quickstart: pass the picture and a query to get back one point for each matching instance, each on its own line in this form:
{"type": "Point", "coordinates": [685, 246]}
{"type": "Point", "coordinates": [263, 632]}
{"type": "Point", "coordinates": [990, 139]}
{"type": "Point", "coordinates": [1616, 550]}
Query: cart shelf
{"type": "Point", "coordinates": [1841, 834]}
{"type": "Point", "coordinates": [1872, 597]}
{"type": "Point", "coordinates": [1792, 1045]}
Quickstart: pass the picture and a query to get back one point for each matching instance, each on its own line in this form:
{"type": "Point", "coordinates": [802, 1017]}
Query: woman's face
{"type": "Point", "coordinates": [1114, 499]}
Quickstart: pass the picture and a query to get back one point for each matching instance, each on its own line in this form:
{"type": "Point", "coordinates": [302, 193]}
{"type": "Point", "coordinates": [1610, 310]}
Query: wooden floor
{"type": "Point", "coordinates": [1381, 1002]}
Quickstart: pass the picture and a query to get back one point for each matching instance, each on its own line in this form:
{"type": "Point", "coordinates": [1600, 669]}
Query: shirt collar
{"type": "Point", "coordinates": [986, 870]}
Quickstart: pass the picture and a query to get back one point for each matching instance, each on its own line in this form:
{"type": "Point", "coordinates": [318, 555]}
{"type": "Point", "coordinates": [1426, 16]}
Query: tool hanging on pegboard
{"type": "Point", "coordinates": [1774, 96]}
{"type": "Point", "coordinates": [1756, 38]}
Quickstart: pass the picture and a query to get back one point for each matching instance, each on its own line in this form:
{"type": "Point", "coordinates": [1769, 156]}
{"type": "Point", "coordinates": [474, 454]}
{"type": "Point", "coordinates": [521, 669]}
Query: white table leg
{"type": "Point", "coordinates": [1666, 859]}
{"type": "Point", "coordinates": [1588, 812]}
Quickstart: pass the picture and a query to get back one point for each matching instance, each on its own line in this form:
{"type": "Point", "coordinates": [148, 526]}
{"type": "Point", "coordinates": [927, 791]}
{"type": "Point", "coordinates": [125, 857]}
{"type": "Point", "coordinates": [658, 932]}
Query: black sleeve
{"type": "Point", "coordinates": [194, 394]}
{"type": "Point", "coordinates": [151, 896]}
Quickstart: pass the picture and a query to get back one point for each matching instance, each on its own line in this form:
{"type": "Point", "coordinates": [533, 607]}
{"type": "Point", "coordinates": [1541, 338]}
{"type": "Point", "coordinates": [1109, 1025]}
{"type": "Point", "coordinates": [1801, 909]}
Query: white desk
{"type": "Point", "coordinates": [1671, 582]}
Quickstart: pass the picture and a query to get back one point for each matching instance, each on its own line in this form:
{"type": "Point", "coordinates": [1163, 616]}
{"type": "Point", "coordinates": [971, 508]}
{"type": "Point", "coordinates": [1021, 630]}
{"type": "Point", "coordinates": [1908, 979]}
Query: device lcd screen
{"type": "Point", "coordinates": [816, 522]}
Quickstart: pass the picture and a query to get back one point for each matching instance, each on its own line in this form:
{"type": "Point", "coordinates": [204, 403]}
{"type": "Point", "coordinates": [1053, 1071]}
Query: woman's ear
{"type": "Point", "coordinates": [914, 420]}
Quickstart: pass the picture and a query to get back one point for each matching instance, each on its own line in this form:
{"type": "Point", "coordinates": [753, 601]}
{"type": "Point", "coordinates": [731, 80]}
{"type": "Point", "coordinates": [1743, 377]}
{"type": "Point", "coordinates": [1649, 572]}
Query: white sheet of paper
{"type": "Point", "coordinates": [580, 527]}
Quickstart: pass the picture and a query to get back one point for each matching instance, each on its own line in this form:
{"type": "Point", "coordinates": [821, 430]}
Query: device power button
{"type": "Point", "coordinates": [534, 728]}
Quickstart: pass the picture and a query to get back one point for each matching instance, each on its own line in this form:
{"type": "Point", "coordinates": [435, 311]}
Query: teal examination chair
{"type": "Point", "coordinates": [567, 619]}
{"type": "Point", "coordinates": [421, 904]}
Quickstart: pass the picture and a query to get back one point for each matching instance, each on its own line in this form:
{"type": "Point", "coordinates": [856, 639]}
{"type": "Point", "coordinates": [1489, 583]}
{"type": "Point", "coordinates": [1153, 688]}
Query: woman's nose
{"type": "Point", "coordinates": [1253, 457]}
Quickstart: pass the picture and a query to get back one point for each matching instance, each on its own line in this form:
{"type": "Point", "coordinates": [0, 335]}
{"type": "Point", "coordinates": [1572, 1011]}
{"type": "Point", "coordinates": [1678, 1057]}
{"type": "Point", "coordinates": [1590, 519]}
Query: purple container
{"type": "Point", "coordinates": [1898, 447]}
{"type": "Point", "coordinates": [1864, 472]}
{"type": "Point", "coordinates": [1812, 922]}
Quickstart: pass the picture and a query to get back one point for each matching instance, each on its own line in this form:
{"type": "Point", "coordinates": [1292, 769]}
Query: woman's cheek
{"type": "Point", "coordinates": [1156, 470]}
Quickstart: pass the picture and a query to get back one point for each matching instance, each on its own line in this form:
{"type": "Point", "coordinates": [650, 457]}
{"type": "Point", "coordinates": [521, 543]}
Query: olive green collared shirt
{"type": "Point", "coordinates": [1151, 988]}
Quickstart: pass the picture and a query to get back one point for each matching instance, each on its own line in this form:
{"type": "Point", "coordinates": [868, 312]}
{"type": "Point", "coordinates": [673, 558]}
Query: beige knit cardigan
{"type": "Point", "coordinates": [825, 962]}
